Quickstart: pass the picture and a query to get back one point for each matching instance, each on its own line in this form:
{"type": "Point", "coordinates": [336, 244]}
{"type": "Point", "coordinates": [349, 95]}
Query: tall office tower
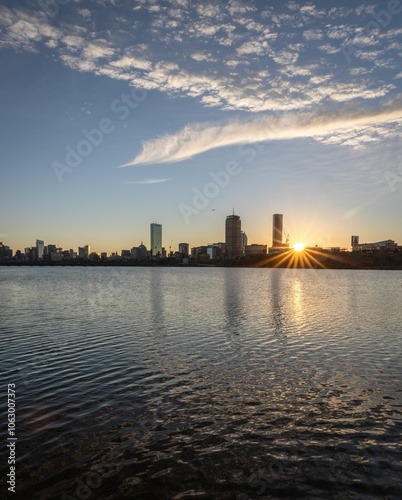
{"type": "Point", "coordinates": [233, 238]}
{"type": "Point", "coordinates": [40, 247]}
{"type": "Point", "coordinates": [87, 250]}
{"type": "Point", "coordinates": [156, 239]}
{"type": "Point", "coordinates": [277, 230]}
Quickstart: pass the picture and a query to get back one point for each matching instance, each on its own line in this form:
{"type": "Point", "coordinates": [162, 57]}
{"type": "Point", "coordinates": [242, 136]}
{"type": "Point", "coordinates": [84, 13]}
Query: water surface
{"type": "Point", "coordinates": [184, 383]}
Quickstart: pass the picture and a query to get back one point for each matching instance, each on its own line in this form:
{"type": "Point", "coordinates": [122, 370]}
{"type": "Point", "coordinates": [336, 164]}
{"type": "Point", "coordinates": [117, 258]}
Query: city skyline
{"type": "Point", "coordinates": [234, 238]}
{"type": "Point", "coordinates": [181, 110]}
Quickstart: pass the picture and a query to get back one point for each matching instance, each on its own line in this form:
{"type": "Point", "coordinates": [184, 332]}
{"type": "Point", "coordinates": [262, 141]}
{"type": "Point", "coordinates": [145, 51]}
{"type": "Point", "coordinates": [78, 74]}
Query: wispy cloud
{"type": "Point", "coordinates": [198, 138]}
{"type": "Point", "coordinates": [148, 181]}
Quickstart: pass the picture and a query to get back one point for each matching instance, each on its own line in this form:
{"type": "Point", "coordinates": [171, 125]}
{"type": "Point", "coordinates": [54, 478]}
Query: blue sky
{"type": "Point", "coordinates": [117, 114]}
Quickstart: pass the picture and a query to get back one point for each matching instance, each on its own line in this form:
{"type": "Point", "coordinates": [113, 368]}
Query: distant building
{"type": "Point", "coordinates": [19, 255]}
{"type": "Point", "coordinates": [379, 245]}
{"type": "Point", "coordinates": [93, 256]}
{"type": "Point", "coordinates": [126, 254]}
{"type": "Point", "coordinates": [277, 230]}
{"type": "Point", "coordinates": [233, 239]}
{"type": "Point", "coordinates": [87, 249]}
{"type": "Point", "coordinates": [51, 249]}
{"type": "Point", "coordinates": [184, 249]}
{"type": "Point", "coordinates": [222, 247]}
{"type": "Point", "coordinates": [214, 251]}
{"type": "Point", "coordinates": [139, 253]}
{"type": "Point", "coordinates": [255, 249]}
{"type": "Point", "coordinates": [200, 254]}
{"type": "Point", "coordinates": [202, 258]}
{"type": "Point", "coordinates": [40, 247]}
{"type": "Point", "coordinates": [33, 254]}
{"type": "Point", "coordinates": [5, 251]}
{"type": "Point", "coordinates": [279, 249]}
{"type": "Point", "coordinates": [354, 242]}
{"type": "Point", "coordinates": [278, 246]}
{"type": "Point", "coordinates": [156, 239]}
{"type": "Point", "coordinates": [81, 252]}
{"type": "Point", "coordinates": [196, 252]}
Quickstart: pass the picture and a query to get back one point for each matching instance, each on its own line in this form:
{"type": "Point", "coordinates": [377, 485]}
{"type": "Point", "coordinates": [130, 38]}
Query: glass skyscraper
{"type": "Point", "coordinates": [40, 247]}
{"type": "Point", "coordinates": [156, 239]}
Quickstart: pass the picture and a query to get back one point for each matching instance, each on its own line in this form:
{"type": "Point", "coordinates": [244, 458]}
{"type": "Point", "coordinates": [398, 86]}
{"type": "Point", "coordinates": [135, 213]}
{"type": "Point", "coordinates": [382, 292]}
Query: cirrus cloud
{"type": "Point", "coordinates": [198, 138]}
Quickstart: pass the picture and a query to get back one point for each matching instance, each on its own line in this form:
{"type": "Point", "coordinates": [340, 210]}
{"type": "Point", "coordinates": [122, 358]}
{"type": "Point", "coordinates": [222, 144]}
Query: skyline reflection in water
{"type": "Point", "coordinates": [212, 382]}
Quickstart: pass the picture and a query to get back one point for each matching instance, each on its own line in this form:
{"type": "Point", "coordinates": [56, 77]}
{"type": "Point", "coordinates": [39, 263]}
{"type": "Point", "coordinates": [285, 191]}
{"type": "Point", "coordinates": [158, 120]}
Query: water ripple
{"type": "Point", "coordinates": [204, 383]}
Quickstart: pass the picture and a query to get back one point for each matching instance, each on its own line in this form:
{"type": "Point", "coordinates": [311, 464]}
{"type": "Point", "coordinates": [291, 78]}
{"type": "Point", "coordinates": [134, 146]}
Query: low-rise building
{"type": "Point", "coordinates": [139, 253]}
{"type": "Point", "coordinates": [379, 245]}
{"type": "Point", "coordinates": [255, 249]}
{"type": "Point", "coordinates": [184, 249]}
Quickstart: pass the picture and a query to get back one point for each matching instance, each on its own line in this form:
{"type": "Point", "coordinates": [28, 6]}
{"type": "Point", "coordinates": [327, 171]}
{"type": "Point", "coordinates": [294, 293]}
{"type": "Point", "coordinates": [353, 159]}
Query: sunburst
{"type": "Point", "coordinates": [299, 247]}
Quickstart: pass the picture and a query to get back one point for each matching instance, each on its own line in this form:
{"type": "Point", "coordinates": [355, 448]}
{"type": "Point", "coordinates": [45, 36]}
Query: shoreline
{"type": "Point", "coordinates": [267, 265]}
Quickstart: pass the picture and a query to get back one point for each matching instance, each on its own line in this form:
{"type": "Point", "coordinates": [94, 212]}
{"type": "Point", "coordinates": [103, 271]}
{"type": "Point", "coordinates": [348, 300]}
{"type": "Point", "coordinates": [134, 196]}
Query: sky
{"type": "Point", "coordinates": [115, 114]}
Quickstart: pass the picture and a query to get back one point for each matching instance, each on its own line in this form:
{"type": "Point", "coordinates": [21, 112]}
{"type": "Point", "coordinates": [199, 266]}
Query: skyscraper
{"type": "Point", "coordinates": [156, 239]}
{"type": "Point", "coordinates": [277, 230]}
{"type": "Point", "coordinates": [233, 237]}
{"type": "Point", "coordinates": [40, 247]}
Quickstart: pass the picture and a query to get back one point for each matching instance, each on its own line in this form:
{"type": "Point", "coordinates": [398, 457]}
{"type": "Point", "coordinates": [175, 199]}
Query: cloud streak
{"type": "Point", "coordinates": [198, 138]}
{"type": "Point", "coordinates": [148, 181]}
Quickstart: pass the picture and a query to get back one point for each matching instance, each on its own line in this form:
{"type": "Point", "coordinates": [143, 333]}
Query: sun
{"type": "Point", "coordinates": [298, 247]}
